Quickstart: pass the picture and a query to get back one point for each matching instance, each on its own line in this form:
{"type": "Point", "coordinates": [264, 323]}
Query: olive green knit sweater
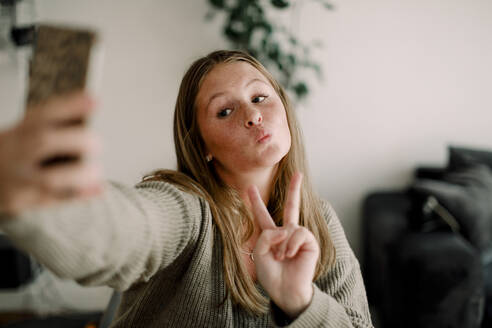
{"type": "Point", "coordinates": [158, 245]}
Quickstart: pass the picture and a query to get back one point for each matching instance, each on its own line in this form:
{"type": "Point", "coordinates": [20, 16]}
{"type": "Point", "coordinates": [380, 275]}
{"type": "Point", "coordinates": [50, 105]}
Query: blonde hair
{"type": "Point", "coordinates": [195, 174]}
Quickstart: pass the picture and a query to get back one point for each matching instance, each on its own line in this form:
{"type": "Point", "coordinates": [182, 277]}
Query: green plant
{"type": "Point", "coordinates": [248, 28]}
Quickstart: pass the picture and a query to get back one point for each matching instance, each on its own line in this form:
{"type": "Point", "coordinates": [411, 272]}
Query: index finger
{"type": "Point", "coordinates": [259, 209]}
{"type": "Point", "coordinates": [61, 108]}
{"type": "Point", "coordinates": [292, 204]}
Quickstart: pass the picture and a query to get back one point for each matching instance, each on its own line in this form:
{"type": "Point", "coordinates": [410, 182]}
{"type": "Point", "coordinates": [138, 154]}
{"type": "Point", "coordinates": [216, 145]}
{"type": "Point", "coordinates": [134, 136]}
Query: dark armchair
{"type": "Point", "coordinates": [428, 247]}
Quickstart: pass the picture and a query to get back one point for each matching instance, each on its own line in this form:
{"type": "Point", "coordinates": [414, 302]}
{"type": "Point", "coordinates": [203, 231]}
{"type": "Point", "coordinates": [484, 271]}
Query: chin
{"type": "Point", "coordinates": [270, 157]}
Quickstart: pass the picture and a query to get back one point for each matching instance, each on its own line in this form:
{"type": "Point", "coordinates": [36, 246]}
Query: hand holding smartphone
{"type": "Point", "coordinates": [46, 157]}
{"type": "Point", "coordinates": [62, 60]}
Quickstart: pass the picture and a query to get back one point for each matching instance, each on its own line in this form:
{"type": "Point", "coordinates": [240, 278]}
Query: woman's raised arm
{"type": "Point", "coordinates": [119, 238]}
{"type": "Point", "coordinates": [72, 221]}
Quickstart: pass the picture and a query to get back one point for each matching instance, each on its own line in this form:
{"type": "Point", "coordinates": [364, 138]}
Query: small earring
{"type": "Point", "coordinates": [208, 157]}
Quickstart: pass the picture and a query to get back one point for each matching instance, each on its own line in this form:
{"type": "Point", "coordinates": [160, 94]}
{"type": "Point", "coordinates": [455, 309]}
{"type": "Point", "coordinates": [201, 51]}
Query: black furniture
{"type": "Point", "coordinates": [428, 253]}
{"type": "Point", "coordinates": [75, 320]}
{"type": "Point", "coordinates": [17, 267]}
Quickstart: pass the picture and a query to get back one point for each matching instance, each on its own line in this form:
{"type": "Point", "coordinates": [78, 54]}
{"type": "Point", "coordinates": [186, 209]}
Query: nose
{"type": "Point", "coordinates": [253, 117]}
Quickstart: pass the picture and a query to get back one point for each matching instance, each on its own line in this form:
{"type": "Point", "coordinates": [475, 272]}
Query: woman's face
{"type": "Point", "coordinates": [241, 119]}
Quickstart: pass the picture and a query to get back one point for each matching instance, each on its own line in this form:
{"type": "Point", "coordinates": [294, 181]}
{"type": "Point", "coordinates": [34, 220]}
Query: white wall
{"type": "Point", "coordinates": [402, 80]}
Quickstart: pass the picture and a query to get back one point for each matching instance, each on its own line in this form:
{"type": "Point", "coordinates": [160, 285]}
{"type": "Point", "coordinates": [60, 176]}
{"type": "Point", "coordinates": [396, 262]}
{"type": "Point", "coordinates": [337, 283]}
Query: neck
{"type": "Point", "coordinates": [262, 178]}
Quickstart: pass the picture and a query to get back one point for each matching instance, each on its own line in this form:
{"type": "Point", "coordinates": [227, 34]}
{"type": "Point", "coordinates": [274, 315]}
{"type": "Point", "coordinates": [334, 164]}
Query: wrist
{"type": "Point", "coordinates": [296, 304]}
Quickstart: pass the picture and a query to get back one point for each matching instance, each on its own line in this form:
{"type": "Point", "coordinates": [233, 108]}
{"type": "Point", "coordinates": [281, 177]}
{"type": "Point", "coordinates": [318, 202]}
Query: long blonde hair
{"type": "Point", "coordinates": [195, 174]}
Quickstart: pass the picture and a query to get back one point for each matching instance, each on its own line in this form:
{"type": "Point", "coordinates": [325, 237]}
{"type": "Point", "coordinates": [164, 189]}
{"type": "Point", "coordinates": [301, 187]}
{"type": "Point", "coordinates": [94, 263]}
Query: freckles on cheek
{"type": "Point", "coordinates": [219, 138]}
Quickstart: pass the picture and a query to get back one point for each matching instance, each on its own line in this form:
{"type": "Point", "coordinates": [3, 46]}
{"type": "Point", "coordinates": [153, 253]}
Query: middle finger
{"type": "Point", "coordinates": [292, 204]}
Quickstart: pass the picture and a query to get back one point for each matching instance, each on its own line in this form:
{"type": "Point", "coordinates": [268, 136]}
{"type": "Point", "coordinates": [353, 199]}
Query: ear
{"type": "Point", "coordinates": [208, 157]}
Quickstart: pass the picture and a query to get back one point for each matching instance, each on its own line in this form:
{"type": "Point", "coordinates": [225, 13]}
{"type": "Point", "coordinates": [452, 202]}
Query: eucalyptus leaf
{"type": "Point", "coordinates": [274, 53]}
{"type": "Point", "coordinates": [301, 89]}
{"type": "Point", "coordinates": [292, 59]}
{"type": "Point", "coordinates": [318, 70]}
{"type": "Point", "coordinates": [210, 15]}
{"type": "Point", "coordinates": [327, 5]}
{"type": "Point", "coordinates": [281, 4]}
{"type": "Point", "coordinates": [232, 34]}
{"type": "Point", "coordinates": [265, 25]}
{"type": "Point", "coordinates": [218, 3]}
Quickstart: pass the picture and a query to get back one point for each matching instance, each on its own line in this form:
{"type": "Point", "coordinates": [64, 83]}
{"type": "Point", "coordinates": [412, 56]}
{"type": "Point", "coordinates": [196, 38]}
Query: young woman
{"type": "Point", "coordinates": [236, 237]}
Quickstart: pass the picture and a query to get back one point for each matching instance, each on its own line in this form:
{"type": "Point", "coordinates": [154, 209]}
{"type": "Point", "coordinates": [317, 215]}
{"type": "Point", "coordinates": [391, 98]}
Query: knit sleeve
{"type": "Point", "coordinates": [121, 237]}
{"type": "Point", "coordinates": [339, 298]}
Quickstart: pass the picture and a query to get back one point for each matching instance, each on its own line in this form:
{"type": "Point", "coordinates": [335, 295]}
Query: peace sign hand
{"type": "Point", "coordinates": [285, 257]}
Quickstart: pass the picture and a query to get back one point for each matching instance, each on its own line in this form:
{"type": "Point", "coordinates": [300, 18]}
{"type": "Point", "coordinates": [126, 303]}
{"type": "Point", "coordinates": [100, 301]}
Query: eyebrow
{"type": "Point", "coordinates": [218, 94]}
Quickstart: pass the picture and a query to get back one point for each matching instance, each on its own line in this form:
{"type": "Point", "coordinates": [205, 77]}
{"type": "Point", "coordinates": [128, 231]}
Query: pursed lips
{"type": "Point", "coordinates": [262, 136]}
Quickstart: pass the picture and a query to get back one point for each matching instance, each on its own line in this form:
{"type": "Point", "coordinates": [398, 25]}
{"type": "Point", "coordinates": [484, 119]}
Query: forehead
{"type": "Point", "coordinates": [227, 77]}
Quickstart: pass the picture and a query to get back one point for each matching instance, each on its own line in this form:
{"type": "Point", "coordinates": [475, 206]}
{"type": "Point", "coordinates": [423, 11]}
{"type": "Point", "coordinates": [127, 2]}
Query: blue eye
{"type": "Point", "coordinates": [259, 99]}
{"type": "Point", "coordinates": [224, 113]}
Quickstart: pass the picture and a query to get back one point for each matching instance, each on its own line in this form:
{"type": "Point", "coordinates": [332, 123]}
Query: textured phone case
{"type": "Point", "coordinates": [60, 62]}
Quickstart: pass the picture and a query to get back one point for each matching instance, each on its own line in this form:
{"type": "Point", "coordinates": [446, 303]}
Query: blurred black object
{"type": "Point", "coordinates": [22, 36]}
{"type": "Point", "coordinates": [432, 266]}
{"type": "Point", "coordinates": [17, 267]}
{"type": "Point", "coordinates": [76, 320]}
{"type": "Point", "coordinates": [8, 2]}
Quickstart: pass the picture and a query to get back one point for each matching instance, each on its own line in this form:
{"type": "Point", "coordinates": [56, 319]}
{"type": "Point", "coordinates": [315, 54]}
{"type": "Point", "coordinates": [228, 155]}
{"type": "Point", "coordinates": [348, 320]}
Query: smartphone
{"type": "Point", "coordinates": [64, 59]}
